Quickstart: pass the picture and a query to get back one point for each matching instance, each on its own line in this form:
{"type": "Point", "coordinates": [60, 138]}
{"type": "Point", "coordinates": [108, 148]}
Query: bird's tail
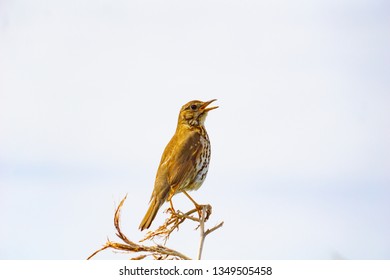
{"type": "Point", "coordinates": [154, 205]}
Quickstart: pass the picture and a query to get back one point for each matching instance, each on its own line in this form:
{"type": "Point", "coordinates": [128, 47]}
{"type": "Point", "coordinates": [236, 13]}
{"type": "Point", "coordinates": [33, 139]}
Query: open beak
{"type": "Point", "coordinates": [205, 104]}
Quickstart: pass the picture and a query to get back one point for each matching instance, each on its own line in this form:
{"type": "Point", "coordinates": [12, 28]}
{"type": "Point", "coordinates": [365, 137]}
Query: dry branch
{"type": "Point", "coordinates": [159, 252]}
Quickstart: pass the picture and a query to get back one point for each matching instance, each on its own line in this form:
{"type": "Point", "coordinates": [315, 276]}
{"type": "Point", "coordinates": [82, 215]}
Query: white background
{"type": "Point", "coordinates": [89, 97]}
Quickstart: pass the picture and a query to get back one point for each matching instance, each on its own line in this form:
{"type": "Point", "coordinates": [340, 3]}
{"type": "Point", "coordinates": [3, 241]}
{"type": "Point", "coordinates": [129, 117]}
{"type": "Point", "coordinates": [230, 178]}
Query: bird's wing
{"type": "Point", "coordinates": [177, 164]}
{"type": "Point", "coordinates": [181, 166]}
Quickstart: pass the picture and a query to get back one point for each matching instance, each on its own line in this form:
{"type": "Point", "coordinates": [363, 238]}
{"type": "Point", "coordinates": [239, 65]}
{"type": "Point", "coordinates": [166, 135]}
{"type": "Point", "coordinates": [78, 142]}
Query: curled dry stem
{"type": "Point", "coordinates": [159, 252]}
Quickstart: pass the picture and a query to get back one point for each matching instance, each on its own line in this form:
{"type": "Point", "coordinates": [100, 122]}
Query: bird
{"type": "Point", "coordinates": [185, 161]}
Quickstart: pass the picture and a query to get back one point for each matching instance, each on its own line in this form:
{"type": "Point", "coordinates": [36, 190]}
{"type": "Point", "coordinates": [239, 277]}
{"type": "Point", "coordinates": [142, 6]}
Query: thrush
{"type": "Point", "coordinates": [185, 160]}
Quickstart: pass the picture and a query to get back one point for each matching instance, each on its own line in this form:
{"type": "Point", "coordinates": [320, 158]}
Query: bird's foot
{"type": "Point", "coordinates": [171, 209]}
{"type": "Point", "coordinates": [204, 209]}
{"type": "Point", "coordinates": [199, 207]}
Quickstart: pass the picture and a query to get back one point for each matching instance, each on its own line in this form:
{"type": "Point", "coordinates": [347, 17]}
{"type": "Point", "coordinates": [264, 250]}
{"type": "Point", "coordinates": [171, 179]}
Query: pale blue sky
{"type": "Point", "coordinates": [89, 96]}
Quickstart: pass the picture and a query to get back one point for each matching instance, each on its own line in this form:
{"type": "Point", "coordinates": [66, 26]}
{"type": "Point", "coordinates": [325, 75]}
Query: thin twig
{"type": "Point", "coordinates": [213, 228]}
{"type": "Point", "coordinates": [97, 251]}
{"type": "Point", "coordinates": [162, 251]}
{"type": "Point", "coordinates": [201, 229]}
{"type": "Point", "coordinates": [204, 215]}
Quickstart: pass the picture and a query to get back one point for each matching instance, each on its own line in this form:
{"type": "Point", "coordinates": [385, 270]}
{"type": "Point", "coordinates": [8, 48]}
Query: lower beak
{"type": "Point", "coordinates": [207, 104]}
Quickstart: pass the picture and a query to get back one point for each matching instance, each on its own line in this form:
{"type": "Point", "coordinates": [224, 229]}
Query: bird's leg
{"type": "Point", "coordinates": [199, 207]}
{"type": "Point", "coordinates": [171, 208]}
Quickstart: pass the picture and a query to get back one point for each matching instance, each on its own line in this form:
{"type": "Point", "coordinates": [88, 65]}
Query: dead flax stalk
{"type": "Point", "coordinates": [164, 231]}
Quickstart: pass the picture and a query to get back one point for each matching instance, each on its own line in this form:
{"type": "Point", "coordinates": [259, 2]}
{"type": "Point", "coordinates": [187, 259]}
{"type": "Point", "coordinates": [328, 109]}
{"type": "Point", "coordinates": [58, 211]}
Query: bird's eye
{"type": "Point", "coordinates": [194, 107]}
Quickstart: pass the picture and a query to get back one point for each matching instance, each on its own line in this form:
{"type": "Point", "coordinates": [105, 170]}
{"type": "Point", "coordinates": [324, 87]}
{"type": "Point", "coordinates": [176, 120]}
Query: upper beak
{"type": "Point", "coordinates": [205, 104]}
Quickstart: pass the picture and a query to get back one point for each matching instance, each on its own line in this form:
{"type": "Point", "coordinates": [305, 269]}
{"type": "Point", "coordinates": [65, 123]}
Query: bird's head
{"type": "Point", "coordinates": [194, 112]}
